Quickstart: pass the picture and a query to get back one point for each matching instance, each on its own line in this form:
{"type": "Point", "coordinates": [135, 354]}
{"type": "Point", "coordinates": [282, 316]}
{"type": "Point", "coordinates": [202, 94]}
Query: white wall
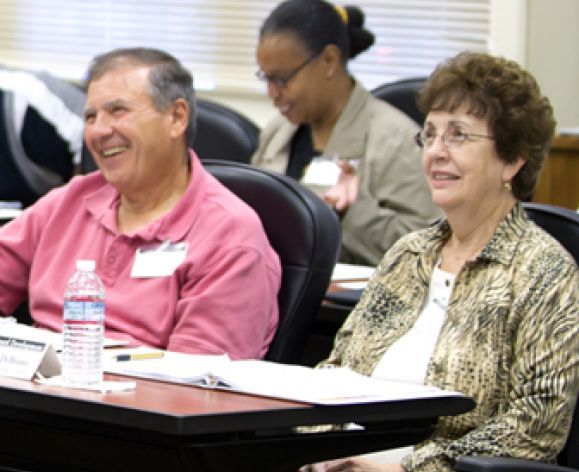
{"type": "Point", "coordinates": [508, 29]}
{"type": "Point", "coordinates": [553, 54]}
{"type": "Point", "coordinates": [542, 35]}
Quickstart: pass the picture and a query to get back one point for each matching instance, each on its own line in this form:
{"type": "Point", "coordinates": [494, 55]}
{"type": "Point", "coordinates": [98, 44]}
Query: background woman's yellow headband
{"type": "Point", "coordinates": [342, 12]}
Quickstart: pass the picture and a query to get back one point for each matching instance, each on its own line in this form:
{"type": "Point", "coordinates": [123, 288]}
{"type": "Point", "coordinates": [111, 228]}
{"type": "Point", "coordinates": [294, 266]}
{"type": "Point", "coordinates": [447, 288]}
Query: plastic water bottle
{"type": "Point", "coordinates": [83, 329]}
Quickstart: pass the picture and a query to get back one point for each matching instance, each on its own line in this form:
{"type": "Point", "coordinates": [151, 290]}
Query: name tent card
{"type": "Point", "coordinates": [22, 356]}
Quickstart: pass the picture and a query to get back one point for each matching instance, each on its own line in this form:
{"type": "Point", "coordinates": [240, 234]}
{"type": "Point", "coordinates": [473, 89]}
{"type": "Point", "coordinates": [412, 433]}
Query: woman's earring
{"type": "Point", "coordinates": [507, 186]}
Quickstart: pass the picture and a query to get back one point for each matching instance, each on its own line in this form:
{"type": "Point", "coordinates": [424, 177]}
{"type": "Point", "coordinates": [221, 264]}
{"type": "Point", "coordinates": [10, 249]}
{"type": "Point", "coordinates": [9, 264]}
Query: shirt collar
{"type": "Point", "coordinates": [503, 244]}
{"type": "Point", "coordinates": [500, 248]}
{"type": "Point", "coordinates": [103, 205]}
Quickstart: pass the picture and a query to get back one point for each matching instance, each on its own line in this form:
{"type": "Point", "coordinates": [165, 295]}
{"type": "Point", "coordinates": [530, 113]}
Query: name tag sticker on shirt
{"type": "Point", "coordinates": [159, 261]}
{"type": "Point", "coordinates": [322, 171]}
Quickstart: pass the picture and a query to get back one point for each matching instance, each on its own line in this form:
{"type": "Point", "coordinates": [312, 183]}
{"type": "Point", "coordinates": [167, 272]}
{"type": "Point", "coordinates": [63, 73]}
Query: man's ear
{"type": "Point", "coordinates": [179, 117]}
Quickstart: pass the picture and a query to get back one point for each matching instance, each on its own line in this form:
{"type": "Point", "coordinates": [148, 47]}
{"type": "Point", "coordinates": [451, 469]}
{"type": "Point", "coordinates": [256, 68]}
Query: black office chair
{"type": "Point", "coordinates": [402, 95]}
{"type": "Point", "coordinates": [223, 133]}
{"type": "Point", "coordinates": [563, 225]}
{"type": "Point", "coordinates": [305, 233]}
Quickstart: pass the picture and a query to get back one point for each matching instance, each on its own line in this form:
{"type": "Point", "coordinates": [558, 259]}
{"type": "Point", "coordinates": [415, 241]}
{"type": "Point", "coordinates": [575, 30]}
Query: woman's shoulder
{"type": "Point", "coordinates": [389, 128]}
{"type": "Point", "coordinates": [277, 125]}
{"type": "Point", "coordinates": [538, 266]}
{"type": "Point", "coordinates": [538, 246]}
{"type": "Point", "coordinates": [274, 139]}
{"type": "Point", "coordinates": [274, 144]}
{"type": "Point", "coordinates": [383, 113]}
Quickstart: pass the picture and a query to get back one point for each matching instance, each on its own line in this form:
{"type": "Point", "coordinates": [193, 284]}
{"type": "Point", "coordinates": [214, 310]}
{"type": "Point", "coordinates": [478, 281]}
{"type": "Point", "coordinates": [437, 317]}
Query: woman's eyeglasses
{"type": "Point", "coordinates": [452, 137]}
{"type": "Point", "coordinates": [281, 81]}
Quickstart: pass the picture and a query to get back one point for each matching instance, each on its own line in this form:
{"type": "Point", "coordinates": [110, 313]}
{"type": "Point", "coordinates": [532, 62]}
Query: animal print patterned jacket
{"type": "Point", "coordinates": [510, 340]}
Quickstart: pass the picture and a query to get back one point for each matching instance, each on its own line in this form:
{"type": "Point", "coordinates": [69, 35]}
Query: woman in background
{"type": "Point", "coordinates": [485, 302]}
{"type": "Point", "coordinates": [375, 180]}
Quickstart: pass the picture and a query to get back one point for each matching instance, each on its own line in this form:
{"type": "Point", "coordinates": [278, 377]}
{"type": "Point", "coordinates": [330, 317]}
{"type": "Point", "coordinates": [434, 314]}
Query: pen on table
{"type": "Point", "coordinates": [139, 356]}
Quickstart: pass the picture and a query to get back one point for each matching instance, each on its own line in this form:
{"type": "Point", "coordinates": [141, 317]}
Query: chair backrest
{"type": "Point", "coordinates": [305, 233]}
{"type": "Point", "coordinates": [402, 95]}
{"type": "Point", "coordinates": [38, 141]}
{"type": "Point", "coordinates": [223, 133]}
{"type": "Point", "coordinates": [87, 162]}
{"type": "Point", "coordinates": [561, 223]}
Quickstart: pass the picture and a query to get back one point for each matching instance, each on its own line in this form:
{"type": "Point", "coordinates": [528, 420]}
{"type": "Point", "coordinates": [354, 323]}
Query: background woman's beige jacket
{"type": "Point", "coordinates": [393, 199]}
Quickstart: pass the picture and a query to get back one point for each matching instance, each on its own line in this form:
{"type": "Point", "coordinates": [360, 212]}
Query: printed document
{"type": "Point", "coordinates": [270, 379]}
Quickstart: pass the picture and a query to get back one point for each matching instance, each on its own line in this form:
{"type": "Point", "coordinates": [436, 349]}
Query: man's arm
{"type": "Point", "coordinates": [232, 308]}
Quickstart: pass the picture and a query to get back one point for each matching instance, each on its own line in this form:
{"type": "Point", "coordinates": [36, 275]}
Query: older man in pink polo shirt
{"type": "Point", "coordinates": [186, 264]}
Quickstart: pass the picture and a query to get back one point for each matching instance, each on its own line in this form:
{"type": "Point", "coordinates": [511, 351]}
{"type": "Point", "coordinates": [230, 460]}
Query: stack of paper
{"type": "Point", "coordinates": [351, 276]}
{"type": "Point", "coordinates": [291, 382]}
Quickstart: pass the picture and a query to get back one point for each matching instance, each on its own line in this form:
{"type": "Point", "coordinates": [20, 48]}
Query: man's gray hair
{"type": "Point", "coordinates": [168, 79]}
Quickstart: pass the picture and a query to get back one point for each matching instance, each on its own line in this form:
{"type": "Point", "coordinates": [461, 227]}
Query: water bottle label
{"type": "Point", "coordinates": [84, 310]}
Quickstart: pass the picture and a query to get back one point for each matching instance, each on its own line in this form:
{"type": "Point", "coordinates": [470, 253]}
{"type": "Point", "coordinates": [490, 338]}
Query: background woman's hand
{"type": "Point", "coordinates": [345, 192]}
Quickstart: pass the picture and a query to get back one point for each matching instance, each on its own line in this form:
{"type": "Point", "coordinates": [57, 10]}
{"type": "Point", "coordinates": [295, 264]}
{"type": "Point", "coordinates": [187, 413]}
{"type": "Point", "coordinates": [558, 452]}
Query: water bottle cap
{"type": "Point", "coordinates": [85, 264]}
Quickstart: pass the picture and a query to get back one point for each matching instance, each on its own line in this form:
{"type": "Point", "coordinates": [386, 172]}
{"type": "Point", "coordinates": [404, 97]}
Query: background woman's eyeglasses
{"type": "Point", "coordinates": [282, 81]}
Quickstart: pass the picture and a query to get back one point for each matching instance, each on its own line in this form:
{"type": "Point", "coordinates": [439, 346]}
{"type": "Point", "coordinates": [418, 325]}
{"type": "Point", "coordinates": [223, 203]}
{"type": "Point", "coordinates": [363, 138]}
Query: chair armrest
{"type": "Point", "coordinates": [505, 464]}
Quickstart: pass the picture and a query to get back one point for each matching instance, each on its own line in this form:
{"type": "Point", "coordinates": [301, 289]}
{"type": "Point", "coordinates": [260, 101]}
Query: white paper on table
{"type": "Point", "coordinates": [270, 379]}
{"type": "Point", "coordinates": [352, 272]}
{"type": "Point", "coordinates": [174, 367]}
{"type": "Point", "coordinates": [352, 285]}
